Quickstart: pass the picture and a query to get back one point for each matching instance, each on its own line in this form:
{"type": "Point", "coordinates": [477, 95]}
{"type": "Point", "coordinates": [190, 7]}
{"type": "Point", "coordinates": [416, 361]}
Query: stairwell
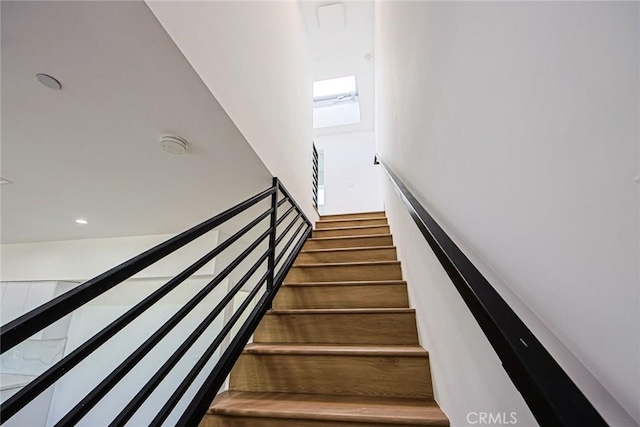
{"type": "Point", "coordinates": [340, 346]}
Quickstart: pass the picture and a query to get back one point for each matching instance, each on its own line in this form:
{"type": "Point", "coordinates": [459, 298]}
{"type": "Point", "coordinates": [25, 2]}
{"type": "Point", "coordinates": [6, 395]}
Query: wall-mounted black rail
{"type": "Point", "coordinates": [552, 396]}
{"type": "Point", "coordinates": [315, 176]}
{"type": "Point", "coordinates": [282, 247]}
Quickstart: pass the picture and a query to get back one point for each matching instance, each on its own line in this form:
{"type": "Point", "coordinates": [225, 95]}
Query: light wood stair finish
{"type": "Point", "coordinates": [356, 222]}
{"type": "Point", "coordinates": [348, 271]}
{"type": "Point", "coordinates": [348, 242]}
{"type": "Point", "coordinates": [301, 410]}
{"type": "Point", "coordinates": [384, 326]}
{"type": "Point", "coordinates": [362, 294]}
{"type": "Point", "coordinates": [357, 215]}
{"type": "Point", "coordinates": [372, 253]}
{"type": "Point", "coordinates": [391, 371]}
{"type": "Point", "coordinates": [340, 348]}
{"type": "Point", "coordinates": [362, 230]}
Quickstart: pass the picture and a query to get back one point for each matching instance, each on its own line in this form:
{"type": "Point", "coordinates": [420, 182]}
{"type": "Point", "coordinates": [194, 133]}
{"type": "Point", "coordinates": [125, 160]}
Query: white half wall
{"type": "Point", "coordinates": [516, 124]}
{"type": "Point", "coordinates": [350, 177]}
{"type": "Point", "coordinates": [255, 58]}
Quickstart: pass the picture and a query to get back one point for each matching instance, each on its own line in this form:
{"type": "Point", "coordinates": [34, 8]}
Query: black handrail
{"type": "Point", "coordinates": [551, 395]}
{"type": "Point", "coordinates": [25, 326]}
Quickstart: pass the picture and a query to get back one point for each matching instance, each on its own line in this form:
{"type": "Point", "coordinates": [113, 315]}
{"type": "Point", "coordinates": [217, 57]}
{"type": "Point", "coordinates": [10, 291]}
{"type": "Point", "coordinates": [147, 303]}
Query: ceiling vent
{"type": "Point", "coordinates": [331, 17]}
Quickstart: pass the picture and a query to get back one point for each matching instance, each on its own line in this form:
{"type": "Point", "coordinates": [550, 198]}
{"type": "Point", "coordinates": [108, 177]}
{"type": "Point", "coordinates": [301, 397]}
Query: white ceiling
{"type": "Point", "coordinates": [91, 150]}
{"type": "Point", "coordinates": [340, 51]}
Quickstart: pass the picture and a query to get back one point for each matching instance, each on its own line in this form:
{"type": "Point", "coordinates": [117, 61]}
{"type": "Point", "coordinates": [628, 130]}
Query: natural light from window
{"type": "Point", "coordinates": [334, 87]}
{"type": "Point", "coordinates": [335, 102]}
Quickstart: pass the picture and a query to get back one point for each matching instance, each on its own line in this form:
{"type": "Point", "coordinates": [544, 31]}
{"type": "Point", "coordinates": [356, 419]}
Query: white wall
{"type": "Point", "coordinates": [350, 177]}
{"type": "Point", "coordinates": [82, 260]}
{"type": "Point", "coordinates": [517, 125]}
{"type": "Point", "coordinates": [255, 59]}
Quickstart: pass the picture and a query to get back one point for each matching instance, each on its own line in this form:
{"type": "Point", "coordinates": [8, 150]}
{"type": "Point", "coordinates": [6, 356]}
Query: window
{"type": "Point", "coordinates": [335, 102]}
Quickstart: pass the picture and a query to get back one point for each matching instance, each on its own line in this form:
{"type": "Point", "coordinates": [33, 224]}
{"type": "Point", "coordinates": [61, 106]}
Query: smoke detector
{"type": "Point", "coordinates": [48, 81]}
{"type": "Point", "coordinates": [173, 144]}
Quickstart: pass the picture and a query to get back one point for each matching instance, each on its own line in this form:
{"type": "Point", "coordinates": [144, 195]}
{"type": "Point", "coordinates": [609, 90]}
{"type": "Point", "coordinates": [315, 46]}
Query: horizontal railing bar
{"type": "Point", "coordinates": [282, 201]}
{"type": "Point", "coordinates": [155, 381]}
{"type": "Point", "coordinates": [279, 221]}
{"type": "Point", "coordinates": [16, 402]}
{"type": "Point", "coordinates": [173, 400]}
{"type": "Point", "coordinates": [90, 400]}
{"type": "Point", "coordinates": [28, 324]}
{"type": "Point", "coordinates": [293, 202]}
{"type": "Point", "coordinates": [552, 396]}
{"type": "Point", "coordinates": [288, 228]}
{"type": "Point", "coordinates": [198, 406]}
{"type": "Point", "coordinates": [291, 240]}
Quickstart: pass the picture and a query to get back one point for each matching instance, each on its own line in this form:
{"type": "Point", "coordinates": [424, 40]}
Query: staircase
{"type": "Point", "coordinates": [340, 347]}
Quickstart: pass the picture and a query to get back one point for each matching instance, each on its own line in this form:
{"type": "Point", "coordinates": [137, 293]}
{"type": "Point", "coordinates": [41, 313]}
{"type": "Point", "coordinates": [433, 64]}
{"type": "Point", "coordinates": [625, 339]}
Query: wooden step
{"type": "Point", "coordinates": [392, 371]}
{"type": "Point", "coordinates": [348, 271]}
{"type": "Point", "coordinates": [379, 253]}
{"type": "Point", "coordinates": [349, 242]}
{"type": "Point", "coordinates": [385, 326]}
{"type": "Point", "coordinates": [359, 222]}
{"type": "Point", "coordinates": [245, 409]}
{"type": "Point", "coordinates": [364, 294]}
{"type": "Point", "coordinates": [356, 215]}
{"type": "Point", "coordinates": [351, 231]}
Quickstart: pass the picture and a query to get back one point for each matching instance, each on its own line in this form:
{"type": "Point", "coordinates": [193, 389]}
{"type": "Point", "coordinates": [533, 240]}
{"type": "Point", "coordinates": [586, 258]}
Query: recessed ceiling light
{"type": "Point", "coordinates": [5, 181]}
{"type": "Point", "coordinates": [82, 221]}
{"type": "Point", "coordinates": [173, 144]}
{"type": "Point", "coordinates": [49, 81]}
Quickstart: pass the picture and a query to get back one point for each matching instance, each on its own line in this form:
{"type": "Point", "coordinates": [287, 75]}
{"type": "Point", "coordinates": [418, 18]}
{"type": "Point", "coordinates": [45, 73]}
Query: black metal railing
{"type": "Point", "coordinates": [552, 396]}
{"type": "Point", "coordinates": [315, 177]}
{"type": "Point", "coordinates": [283, 246]}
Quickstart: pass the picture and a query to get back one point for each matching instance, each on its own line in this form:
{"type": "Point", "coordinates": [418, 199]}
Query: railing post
{"type": "Point", "coordinates": [272, 237]}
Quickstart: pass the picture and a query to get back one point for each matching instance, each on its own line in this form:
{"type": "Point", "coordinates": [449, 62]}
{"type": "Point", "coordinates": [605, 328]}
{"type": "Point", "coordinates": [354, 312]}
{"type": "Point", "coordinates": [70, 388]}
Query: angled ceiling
{"type": "Point", "coordinates": [340, 50]}
{"type": "Point", "coordinates": [92, 150]}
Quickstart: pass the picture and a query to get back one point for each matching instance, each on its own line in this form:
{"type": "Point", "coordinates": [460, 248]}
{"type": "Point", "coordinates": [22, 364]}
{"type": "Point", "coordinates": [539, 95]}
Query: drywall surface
{"type": "Point", "coordinates": [516, 124]}
{"type": "Point", "coordinates": [255, 58]}
{"type": "Point", "coordinates": [350, 177]}
{"type": "Point", "coordinates": [467, 375]}
{"type": "Point", "coordinates": [81, 260]}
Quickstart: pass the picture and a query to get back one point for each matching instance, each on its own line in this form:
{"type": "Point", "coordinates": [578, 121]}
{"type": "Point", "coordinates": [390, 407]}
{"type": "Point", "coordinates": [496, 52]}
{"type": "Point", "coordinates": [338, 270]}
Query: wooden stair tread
{"type": "Point", "coordinates": [352, 219]}
{"type": "Point", "coordinates": [346, 264]}
{"type": "Point", "coordinates": [363, 236]}
{"type": "Point", "coordinates": [354, 227]}
{"type": "Point", "coordinates": [337, 350]}
{"type": "Point", "coordinates": [360, 409]}
{"type": "Point", "coordinates": [353, 215]}
{"type": "Point", "coordinates": [348, 283]}
{"type": "Point", "coordinates": [361, 248]}
{"type": "Point", "coordinates": [342, 311]}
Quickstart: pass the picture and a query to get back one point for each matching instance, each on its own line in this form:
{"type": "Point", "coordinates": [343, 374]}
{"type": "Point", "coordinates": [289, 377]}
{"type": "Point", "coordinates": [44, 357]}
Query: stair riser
{"type": "Point", "coordinates": [342, 296]}
{"type": "Point", "coordinates": [223, 421]}
{"type": "Point", "coordinates": [342, 375]}
{"type": "Point", "coordinates": [351, 223]}
{"type": "Point", "coordinates": [352, 216]}
{"type": "Point", "coordinates": [347, 256]}
{"type": "Point", "coordinates": [344, 273]}
{"type": "Point", "coordinates": [349, 243]}
{"type": "Point", "coordinates": [381, 229]}
{"type": "Point", "coordinates": [368, 328]}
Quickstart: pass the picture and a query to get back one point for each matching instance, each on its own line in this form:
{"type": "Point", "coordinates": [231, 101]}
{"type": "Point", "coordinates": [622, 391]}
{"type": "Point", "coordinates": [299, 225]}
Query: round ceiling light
{"type": "Point", "coordinates": [82, 221]}
{"type": "Point", "coordinates": [173, 144]}
{"type": "Point", "coordinates": [49, 81]}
